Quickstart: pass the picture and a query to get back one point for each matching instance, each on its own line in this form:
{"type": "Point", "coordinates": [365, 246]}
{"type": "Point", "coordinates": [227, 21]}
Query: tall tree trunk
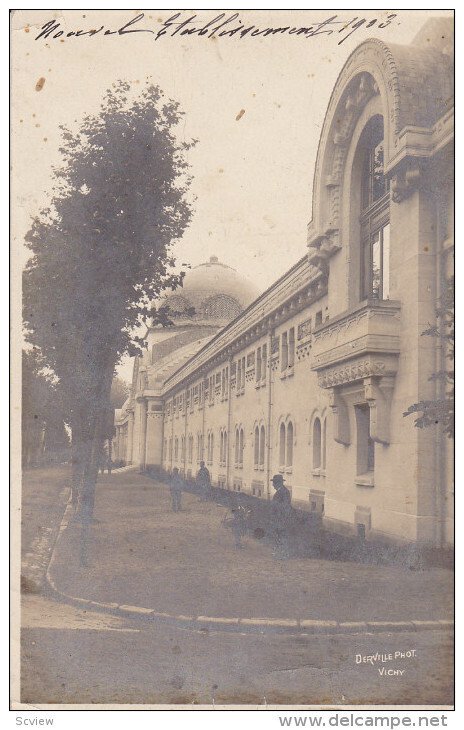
{"type": "Point", "coordinates": [77, 458]}
{"type": "Point", "coordinates": [93, 450]}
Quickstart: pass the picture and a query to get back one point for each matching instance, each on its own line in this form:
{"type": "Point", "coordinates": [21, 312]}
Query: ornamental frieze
{"type": "Point", "coordinates": [303, 351]}
{"type": "Point", "coordinates": [350, 373]}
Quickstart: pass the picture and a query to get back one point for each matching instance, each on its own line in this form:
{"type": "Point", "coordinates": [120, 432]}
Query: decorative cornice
{"type": "Point", "coordinates": [354, 371]}
{"type": "Point", "coordinates": [294, 292]}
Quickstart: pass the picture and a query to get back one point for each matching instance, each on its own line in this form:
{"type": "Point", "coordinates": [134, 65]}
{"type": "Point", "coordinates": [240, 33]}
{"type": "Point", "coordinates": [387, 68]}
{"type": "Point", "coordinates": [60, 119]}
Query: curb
{"type": "Point", "coordinates": [253, 625]}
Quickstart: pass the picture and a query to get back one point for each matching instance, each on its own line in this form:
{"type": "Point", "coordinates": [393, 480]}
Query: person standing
{"type": "Point", "coordinates": [176, 489]}
{"type": "Point", "coordinates": [204, 482]}
{"type": "Point", "coordinates": [281, 512]}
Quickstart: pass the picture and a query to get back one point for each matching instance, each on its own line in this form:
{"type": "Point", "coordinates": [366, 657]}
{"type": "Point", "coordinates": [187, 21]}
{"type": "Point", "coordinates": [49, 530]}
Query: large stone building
{"type": "Point", "coordinates": [312, 378]}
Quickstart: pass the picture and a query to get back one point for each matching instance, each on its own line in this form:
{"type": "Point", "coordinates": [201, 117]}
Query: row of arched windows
{"type": "Point", "coordinates": [286, 443]}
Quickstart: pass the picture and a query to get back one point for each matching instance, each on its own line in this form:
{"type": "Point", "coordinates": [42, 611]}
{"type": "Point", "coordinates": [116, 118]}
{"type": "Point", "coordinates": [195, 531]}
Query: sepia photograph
{"type": "Point", "coordinates": [232, 359]}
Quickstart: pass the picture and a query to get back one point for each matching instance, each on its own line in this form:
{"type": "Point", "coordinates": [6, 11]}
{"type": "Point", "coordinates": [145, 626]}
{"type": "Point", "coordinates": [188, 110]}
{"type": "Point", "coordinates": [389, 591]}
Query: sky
{"type": "Point", "coordinates": [256, 106]}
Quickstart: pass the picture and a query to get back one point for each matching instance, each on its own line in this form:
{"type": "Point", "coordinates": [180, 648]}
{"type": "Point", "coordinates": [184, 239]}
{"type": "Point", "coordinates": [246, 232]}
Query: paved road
{"type": "Point", "coordinates": [72, 656]}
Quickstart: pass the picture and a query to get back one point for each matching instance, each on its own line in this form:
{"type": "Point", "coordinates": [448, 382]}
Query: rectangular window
{"type": "Point", "coordinates": [284, 352]}
{"type": "Point", "coordinates": [263, 362]}
{"type": "Point", "coordinates": [291, 347]}
{"type": "Point", "coordinates": [365, 445]}
{"type": "Point", "coordinates": [258, 365]}
{"type": "Point", "coordinates": [386, 262]}
{"type": "Point", "coordinates": [376, 264]}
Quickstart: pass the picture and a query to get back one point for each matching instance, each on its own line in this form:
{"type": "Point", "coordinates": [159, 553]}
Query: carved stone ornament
{"type": "Point", "coordinates": [405, 182]}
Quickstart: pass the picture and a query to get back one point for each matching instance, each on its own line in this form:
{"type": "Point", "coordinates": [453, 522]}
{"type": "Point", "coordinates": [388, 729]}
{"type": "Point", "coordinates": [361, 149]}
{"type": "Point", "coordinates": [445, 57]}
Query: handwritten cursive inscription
{"type": "Point", "coordinates": [221, 26]}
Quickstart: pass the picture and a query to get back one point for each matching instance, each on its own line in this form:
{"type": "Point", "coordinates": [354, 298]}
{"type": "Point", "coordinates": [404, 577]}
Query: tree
{"type": "Point", "coordinates": [44, 435]}
{"type": "Point", "coordinates": [101, 254]}
{"type": "Point", "coordinates": [119, 392]}
{"type": "Point", "coordinates": [441, 409]}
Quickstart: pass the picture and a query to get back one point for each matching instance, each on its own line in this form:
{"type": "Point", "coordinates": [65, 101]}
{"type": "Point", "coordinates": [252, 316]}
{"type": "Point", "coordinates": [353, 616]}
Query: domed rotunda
{"type": "Point", "coordinates": [212, 295]}
{"type": "Point", "coordinates": [215, 291]}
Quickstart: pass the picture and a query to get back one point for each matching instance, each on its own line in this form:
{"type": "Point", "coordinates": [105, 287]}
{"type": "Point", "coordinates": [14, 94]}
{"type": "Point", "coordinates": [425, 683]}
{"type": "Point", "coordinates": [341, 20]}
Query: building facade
{"type": "Point", "coordinates": [311, 378]}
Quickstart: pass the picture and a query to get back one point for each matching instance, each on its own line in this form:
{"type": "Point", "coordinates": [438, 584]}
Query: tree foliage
{"type": "Point", "coordinates": [441, 409]}
{"type": "Point", "coordinates": [119, 392]}
{"type": "Point", "coordinates": [44, 435]}
{"type": "Point", "coordinates": [101, 250]}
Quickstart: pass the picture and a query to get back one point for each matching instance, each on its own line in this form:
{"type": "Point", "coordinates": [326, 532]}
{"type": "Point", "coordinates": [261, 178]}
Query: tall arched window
{"type": "Point", "coordinates": [176, 449]}
{"type": "Point", "coordinates": [262, 446]}
{"type": "Point", "coordinates": [237, 445]}
{"type": "Point", "coordinates": [375, 214]}
{"type": "Point", "coordinates": [317, 441]}
{"type": "Point", "coordinates": [282, 445]}
{"type": "Point", "coordinates": [241, 444]}
{"type": "Point", "coordinates": [223, 454]}
{"type": "Point", "coordinates": [256, 447]}
{"type": "Point", "coordinates": [324, 443]}
{"type": "Point", "coordinates": [289, 455]}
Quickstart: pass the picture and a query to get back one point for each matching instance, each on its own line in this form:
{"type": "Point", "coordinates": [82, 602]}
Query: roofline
{"type": "Point", "coordinates": [225, 329]}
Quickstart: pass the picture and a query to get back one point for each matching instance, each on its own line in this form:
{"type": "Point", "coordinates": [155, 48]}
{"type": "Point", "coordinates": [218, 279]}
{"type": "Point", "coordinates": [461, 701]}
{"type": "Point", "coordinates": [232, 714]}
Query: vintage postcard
{"type": "Point", "coordinates": [233, 339]}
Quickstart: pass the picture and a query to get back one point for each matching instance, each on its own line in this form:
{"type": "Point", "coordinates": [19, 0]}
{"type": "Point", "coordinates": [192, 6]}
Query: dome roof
{"type": "Point", "coordinates": [215, 290]}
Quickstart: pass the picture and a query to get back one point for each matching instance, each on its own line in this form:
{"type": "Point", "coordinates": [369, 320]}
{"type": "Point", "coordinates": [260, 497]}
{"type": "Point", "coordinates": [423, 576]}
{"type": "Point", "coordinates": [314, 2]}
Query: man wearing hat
{"type": "Point", "coordinates": [281, 514]}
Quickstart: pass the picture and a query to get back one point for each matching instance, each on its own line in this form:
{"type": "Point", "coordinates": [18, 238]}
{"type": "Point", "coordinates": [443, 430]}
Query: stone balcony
{"type": "Point", "coordinates": [362, 342]}
{"type": "Point", "coordinates": [355, 356]}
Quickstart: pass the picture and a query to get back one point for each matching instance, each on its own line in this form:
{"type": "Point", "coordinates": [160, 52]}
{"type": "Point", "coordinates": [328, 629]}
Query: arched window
{"type": "Point", "coordinates": [289, 456]}
{"type": "Point", "coordinates": [237, 445]}
{"type": "Point", "coordinates": [223, 447]}
{"type": "Point", "coordinates": [170, 449]}
{"type": "Point", "coordinates": [221, 306]}
{"type": "Point", "coordinates": [324, 443]}
{"type": "Point", "coordinates": [176, 449]}
{"type": "Point", "coordinates": [262, 445]}
{"type": "Point", "coordinates": [211, 447]}
{"type": "Point", "coordinates": [282, 445]}
{"type": "Point", "coordinates": [241, 444]}
{"type": "Point", "coordinates": [375, 214]}
{"type": "Point", "coordinates": [256, 447]}
{"type": "Point", "coordinates": [182, 448]}
{"type": "Point", "coordinates": [317, 441]}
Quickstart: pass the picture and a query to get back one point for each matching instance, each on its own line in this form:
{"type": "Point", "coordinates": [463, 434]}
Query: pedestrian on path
{"type": "Point", "coordinates": [204, 482]}
{"type": "Point", "coordinates": [281, 514]}
{"type": "Point", "coordinates": [176, 489]}
{"type": "Point", "coordinates": [237, 519]}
